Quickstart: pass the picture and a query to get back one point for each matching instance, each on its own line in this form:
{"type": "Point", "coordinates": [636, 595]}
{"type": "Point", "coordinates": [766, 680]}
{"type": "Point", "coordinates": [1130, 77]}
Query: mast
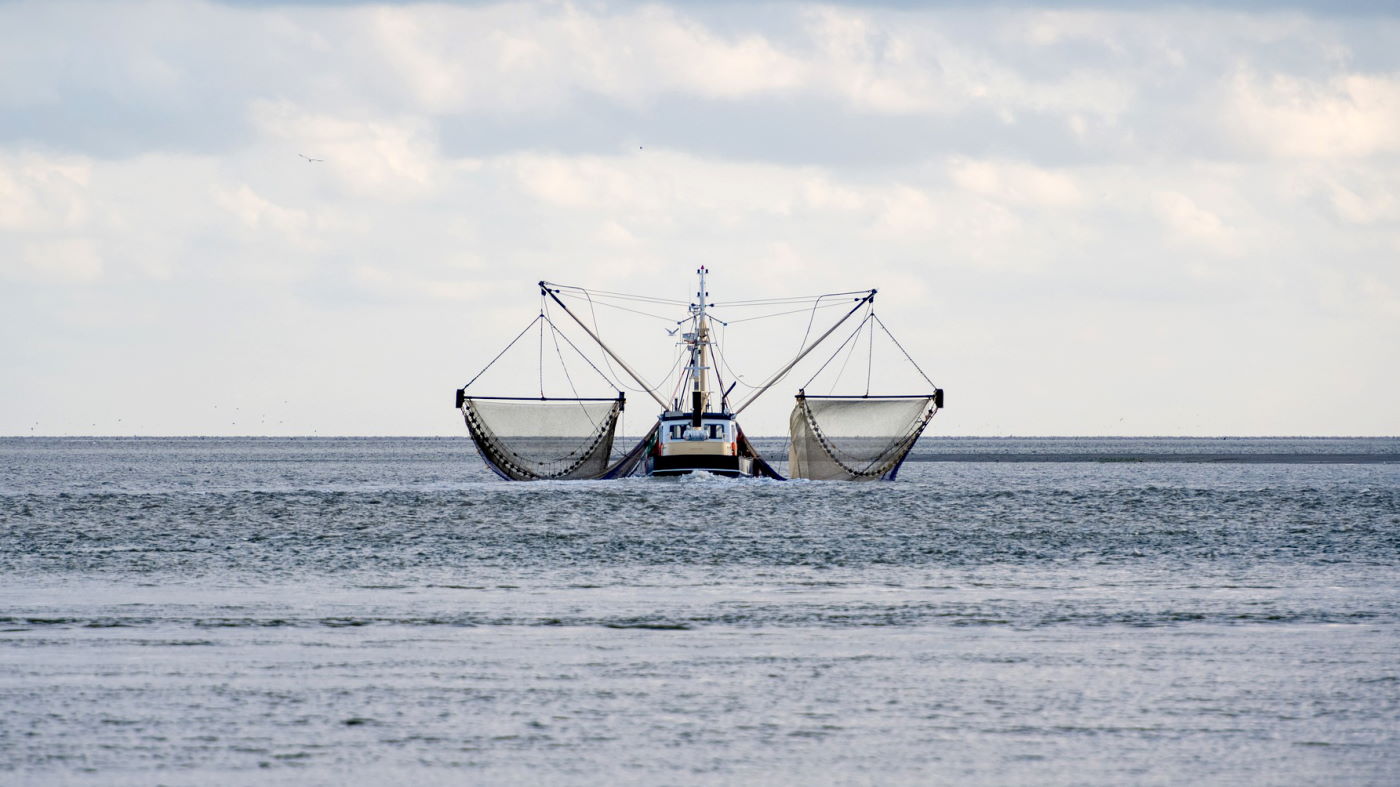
{"type": "Point", "coordinates": [699, 342]}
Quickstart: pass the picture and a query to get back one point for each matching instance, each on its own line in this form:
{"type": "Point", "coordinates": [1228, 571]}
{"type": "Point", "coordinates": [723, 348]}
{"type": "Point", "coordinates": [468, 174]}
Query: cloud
{"type": "Point", "coordinates": [522, 58]}
{"type": "Point", "coordinates": [394, 283]}
{"type": "Point", "coordinates": [1364, 197]}
{"type": "Point", "coordinates": [1015, 182]}
{"type": "Point", "coordinates": [42, 194]}
{"type": "Point", "coordinates": [258, 214]}
{"type": "Point", "coordinates": [65, 261]}
{"type": "Point", "coordinates": [1348, 116]}
{"type": "Point", "coordinates": [393, 158]}
{"type": "Point", "coordinates": [1188, 220]}
{"type": "Point", "coordinates": [1036, 191]}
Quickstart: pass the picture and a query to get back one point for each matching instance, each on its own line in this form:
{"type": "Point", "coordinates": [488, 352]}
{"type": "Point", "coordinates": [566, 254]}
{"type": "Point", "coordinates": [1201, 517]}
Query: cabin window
{"type": "Point", "coordinates": [677, 431]}
{"type": "Point", "coordinates": [716, 431]}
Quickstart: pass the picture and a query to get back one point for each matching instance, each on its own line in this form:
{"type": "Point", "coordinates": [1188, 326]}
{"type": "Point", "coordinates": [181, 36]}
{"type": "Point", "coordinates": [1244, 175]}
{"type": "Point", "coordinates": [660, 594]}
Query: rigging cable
{"type": "Point", "coordinates": [620, 295]}
{"type": "Point", "coordinates": [811, 319]}
{"type": "Point", "coordinates": [615, 380]}
{"type": "Point", "coordinates": [594, 315]}
{"type": "Point", "coordinates": [503, 352]}
{"type": "Point", "coordinates": [791, 299]}
{"type": "Point", "coordinates": [780, 314]}
{"type": "Point", "coordinates": [725, 334]}
{"type": "Point", "coordinates": [853, 335]}
{"type": "Point", "coordinates": [586, 359]}
{"type": "Point", "coordinates": [906, 352]}
{"type": "Point", "coordinates": [849, 353]}
{"type": "Point", "coordinates": [681, 378]}
{"type": "Point", "coordinates": [671, 371]}
{"type": "Point", "coordinates": [738, 378]}
{"type": "Point", "coordinates": [554, 334]}
{"type": "Point", "coordinates": [621, 308]}
{"type": "Point", "coordinates": [720, 380]}
{"type": "Point", "coordinates": [870, 354]}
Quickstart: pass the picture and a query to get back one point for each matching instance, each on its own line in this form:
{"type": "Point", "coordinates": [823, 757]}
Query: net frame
{"type": "Point", "coordinates": [588, 461]}
{"type": "Point", "coordinates": [832, 463]}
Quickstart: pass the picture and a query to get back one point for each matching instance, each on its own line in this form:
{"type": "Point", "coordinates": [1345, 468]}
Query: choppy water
{"type": "Point", "coordinates": [315, 611]}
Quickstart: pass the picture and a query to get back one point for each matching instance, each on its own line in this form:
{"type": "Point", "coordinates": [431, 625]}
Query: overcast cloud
{"type": "Point", "coordinates": [1082, 220]}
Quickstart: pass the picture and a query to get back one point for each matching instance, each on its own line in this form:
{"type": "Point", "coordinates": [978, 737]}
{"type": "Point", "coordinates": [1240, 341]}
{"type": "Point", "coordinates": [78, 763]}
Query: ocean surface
{"type": "Point", "coordinates": [1010, 611]}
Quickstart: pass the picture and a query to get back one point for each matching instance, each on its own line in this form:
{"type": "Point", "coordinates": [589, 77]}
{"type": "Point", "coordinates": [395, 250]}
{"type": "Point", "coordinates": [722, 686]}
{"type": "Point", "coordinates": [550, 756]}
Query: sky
{"type": "Point", "coordinates": [1083, 218]}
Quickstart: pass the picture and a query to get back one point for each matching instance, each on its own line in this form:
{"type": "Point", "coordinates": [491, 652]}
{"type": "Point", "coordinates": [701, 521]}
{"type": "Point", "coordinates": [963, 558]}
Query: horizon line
{"type": "Point", "coordinates": [756, 436]}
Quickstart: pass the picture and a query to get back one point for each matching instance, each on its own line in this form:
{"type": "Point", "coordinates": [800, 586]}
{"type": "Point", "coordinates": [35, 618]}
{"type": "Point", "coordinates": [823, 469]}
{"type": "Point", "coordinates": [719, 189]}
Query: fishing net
{"type": "Point", "coordinates": [855, 438]}
{"type": "Point", "coordinates": [631, 462]}
{"type": "Point", "coordinates": [541, 439]}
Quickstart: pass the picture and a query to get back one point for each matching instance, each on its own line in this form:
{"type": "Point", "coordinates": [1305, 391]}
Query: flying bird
{"type": "Point", "coordinates": [309, 159]}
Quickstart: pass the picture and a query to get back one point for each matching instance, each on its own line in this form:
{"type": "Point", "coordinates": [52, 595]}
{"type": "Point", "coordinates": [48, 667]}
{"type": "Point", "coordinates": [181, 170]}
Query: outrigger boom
{"type": "Point", "coordinates": [545, 290]}
{"type": "Point", "coordinates": [783, 372]}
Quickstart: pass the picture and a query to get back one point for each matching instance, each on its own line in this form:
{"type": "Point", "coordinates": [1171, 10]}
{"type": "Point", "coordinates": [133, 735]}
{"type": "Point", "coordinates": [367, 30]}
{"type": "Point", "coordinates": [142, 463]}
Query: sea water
{"type": "Point", "coordinates": [292, 611]}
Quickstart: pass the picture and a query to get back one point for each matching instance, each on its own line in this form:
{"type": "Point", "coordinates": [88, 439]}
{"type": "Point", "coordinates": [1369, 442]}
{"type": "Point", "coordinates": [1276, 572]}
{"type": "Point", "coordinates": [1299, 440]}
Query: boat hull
{"type": "Point", "coordinates": [730, 466]}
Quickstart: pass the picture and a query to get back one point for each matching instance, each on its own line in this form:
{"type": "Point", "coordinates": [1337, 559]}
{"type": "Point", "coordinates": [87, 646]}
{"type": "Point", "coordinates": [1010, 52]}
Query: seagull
{"type": "Point", "coordinates": [672, 332]}
{"type": "Point", "coordinates": [309, 159]}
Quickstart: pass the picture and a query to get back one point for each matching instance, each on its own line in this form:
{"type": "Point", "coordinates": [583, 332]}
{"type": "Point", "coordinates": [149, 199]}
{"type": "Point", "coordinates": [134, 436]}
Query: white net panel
{"type": "Point", "coordinates": [533, 440]}
{"type": "Point", "coordinates": [854, 439]}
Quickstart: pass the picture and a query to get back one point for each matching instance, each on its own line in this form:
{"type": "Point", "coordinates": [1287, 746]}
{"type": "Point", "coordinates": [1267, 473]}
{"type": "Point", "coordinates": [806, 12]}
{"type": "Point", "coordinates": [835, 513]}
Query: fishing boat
{"type": "Point", "coordinates": [856, 437]}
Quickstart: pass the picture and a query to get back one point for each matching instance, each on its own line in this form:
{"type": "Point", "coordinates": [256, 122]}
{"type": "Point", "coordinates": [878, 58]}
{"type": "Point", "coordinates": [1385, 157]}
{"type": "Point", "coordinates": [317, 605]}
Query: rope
{"type": "Point", "coordinates": [906, 352]}
{"type": "Point", "coordinates": [813, 318]}
{"type": "Point", "coordinates": [594, 316]}
{"type": "Point", "coordinates": [682, 377]}
{"type": "Point", "coordinates": [619, 295]}
{"type": "Point", "coordinates": [780, 314]}
{"type": "Point", "coordinates": [849, 354]}
{"type": "Point", "coordinates": [554, 335]}
{"type": "Point", "coordinates": [503, 352]}
{"type": "Point", "coordinates": [836, 353]}
{"type": "Point", "coordinates": [791, 299]}
{"type": "Point", "coordinates": [620, 308]}
{"type": "Point", "coordinates": [870, 361]}
{"type": "Point", "coordinates": [585, 358]}
{"type": "Point", "coordinates": [679, 357]}
{"type": "Point", "coordinates": [810, 319]}
{"type": "Point", "coordinates": [719, 379]}
{"type": "Point", "coordinates": [738, 378]}
{"type": "Point", "coordinates": [870, 356]}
